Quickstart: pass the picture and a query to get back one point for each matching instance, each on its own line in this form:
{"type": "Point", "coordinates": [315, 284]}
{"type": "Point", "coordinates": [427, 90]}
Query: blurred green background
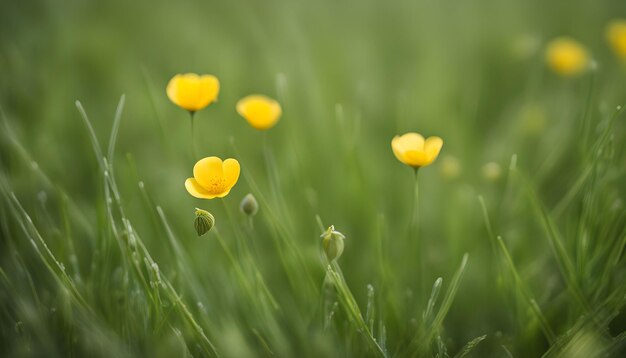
{"type": "Point", "coordinates": [349, 75]}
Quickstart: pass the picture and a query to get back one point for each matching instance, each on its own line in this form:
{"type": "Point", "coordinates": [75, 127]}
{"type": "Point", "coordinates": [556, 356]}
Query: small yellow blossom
{"type": "Point", "coordinates": [616, 35]}
{"type": "Point", "coordinates": [193, 92]}
{"type": "Point", "coordinates": [450, 167]}
{"type": "Point", "coordinates": [491, 171]}
{"type": "Point", "coordinates": [260, 111]}
{"type": "Point", "coordinates": [567, 57]}
{"type": "Point", "coordinates": [412, 150]}
{"type": "Point", "coordinates": [213, 178]}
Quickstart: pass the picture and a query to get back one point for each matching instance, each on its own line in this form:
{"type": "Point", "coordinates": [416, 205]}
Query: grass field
{"type": "Point", "coordinates": [510, 244]}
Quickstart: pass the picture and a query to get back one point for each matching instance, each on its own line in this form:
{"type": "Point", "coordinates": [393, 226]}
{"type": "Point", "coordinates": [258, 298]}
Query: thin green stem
{"type": "Point", "coordinates": [414, 236]}
{"type": "Point", "coordinates": [244, 256]}
{"type": "Point", "coordinates": [415, 209]}
{"type": "Point", "coordinates": [194, 153]}
{"type": "Point", "coordinates": [240, 240]}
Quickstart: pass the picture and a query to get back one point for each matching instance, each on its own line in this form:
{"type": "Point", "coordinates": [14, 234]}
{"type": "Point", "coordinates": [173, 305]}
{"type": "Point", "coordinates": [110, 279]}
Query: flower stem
{"type": "Point", "coordinates": [415, 209]}
{"type": "Point", "coordinates": [414, 236]}
{"type": "Point", "coordinates": [193, 144]}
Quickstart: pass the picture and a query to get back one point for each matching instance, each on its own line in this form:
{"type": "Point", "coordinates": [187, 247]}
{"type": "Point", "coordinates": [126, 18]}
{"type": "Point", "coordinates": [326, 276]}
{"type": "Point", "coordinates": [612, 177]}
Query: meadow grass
{"type": "Point", "coordinates": [522, 257]}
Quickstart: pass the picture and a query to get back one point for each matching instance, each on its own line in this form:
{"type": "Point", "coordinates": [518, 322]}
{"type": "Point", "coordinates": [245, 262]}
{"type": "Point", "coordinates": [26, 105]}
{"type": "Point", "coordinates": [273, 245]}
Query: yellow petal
{"type": "Point", "coordinates": [180, 90]}
{"type": "Point", "coordinates": [223, 193]}
{"type": "Point", "coordinates": [415, 158]}
{"type": "Point", "coordinates": [566, 57]}
{"type": "Point", "coordinates": [432, 147]}
{"type": "Point", "coordinates": [260, 111]}
{"type": "Point", "coordinates": [193, 92]}
{"type": "Point", "coordinates": [209, 89]}
{"type": "Point", "coordinates": [209, 174]}
{"type": "Point", "coordinates": [397, 148]}
{"type": "Point", "coordinates": [412, 141]}
{"type": "Point", "coordinates": [409, 142]}
{"type": "Point", "coordinates": [616, 35]}
{"type": "Point", "coordinates": [231, 172]}
{"type": "Point", "coordinates": [196, 190]}
{"type": "Point", "coordinates": [172, 89]}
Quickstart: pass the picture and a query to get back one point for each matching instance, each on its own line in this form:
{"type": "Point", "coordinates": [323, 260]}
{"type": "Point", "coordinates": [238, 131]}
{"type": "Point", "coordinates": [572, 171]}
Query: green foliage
{"type": "Point", "coordinates": [99, 255]}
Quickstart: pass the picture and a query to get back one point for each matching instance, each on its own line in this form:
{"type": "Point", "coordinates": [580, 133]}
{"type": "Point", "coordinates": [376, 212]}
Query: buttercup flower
{"type": "Point", "coordinates": [193, 92]}
{"type": "Point", "coordinates": [566, 57]}
{"type": "Point", "coordinates": [616, 35]}
{"type": "Point", "coordinates": [213, 178]}
{"type": "Point", "coordinates": [260, 111]}
{"type": "Point", "coordinates": [412, 150]}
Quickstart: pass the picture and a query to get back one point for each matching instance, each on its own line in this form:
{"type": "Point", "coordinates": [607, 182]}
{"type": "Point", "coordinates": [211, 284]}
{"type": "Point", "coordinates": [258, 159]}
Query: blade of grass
{"type": "Point", "coordinates": [116, 127]}
{"type": "Point", "coordinates": [530, 300]}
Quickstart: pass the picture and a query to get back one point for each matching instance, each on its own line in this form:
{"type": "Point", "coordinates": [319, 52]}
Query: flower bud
{"type": "Point", "coordinates": [204, 221]}
{"type": "Point", "coordinates": [332, 242]}
{"type": "Point", "coordinates": [249, 205]}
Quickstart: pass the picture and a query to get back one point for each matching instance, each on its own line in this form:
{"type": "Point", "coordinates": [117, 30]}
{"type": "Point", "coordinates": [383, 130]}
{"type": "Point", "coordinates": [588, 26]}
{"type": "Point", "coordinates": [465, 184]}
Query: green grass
{"type": "Point", "coordinates": [98, 253]}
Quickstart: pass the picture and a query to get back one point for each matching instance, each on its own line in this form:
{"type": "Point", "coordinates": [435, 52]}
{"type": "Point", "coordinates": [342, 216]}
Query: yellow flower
{"type": "Point", "coordinates": [412, 150]}
{"type": "Point", "coordinates": [213, 178]}
{"type": "Point", "coordinates": [566, 57]}
{"type": "Point", "coordinates": [193, 92]}
{"type": "Point", "coordinates": [260, 111]}
{"type": "Point", "coordinates": [616, 35]}
{"type": "Point", "coordinates": [450, 167]}
{"type": "Point", "coordinates": [491, 171]}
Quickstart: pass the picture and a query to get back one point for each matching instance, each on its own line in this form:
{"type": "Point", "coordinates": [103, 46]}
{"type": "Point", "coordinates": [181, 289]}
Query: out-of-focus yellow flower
{"type": "Point", "coordinates": [412, 150]}
{"type": "Point", "coordinates": [491, 171]}
{"type": "Point", "coordinates": [450, 167]}
{"type": "Point", "coordinates": [213, 178]}
{"type": "Point", "coordinates": [193, 92]}
{"type": "Point", "coordinates": [616, 35]}
{"type": "Point", "coordinates": [567, 57]}
{"type": "Point", "coordinates": [260, 111]}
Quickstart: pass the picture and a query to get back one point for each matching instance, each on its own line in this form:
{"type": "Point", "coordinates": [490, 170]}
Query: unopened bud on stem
{"type": "Point", "coordinates": [332, 242]}
{"type": "Point", "coordinates": [249, 205]}
{"type": "Point", "coordinates": [204, 221]}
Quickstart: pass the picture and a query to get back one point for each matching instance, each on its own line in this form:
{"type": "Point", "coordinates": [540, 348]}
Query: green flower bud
{"type": "Point", "coordinates": [332, 242]}
{"type": "Point", "coordinates": [204, 221]}
{"type": "Point", "coordinates": [249, 205]}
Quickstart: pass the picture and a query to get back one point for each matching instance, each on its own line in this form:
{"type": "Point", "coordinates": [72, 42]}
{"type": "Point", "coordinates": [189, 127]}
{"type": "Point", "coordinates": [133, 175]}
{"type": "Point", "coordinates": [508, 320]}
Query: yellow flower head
{"type": "Point", "coordinates": [566, 57]}
{"type": "Point", "coordinates": [213, 178]}
{"type": "Point", "coordinates": [412, 150]}
{"type": "Point", "coordinates": [616, 35]}
{"type": "Point", "coordinates": [450, 167]}
{"type": "Point", "coordinates": [193, 92]}
{"type": "Point", "coordinates": [260, 111]}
